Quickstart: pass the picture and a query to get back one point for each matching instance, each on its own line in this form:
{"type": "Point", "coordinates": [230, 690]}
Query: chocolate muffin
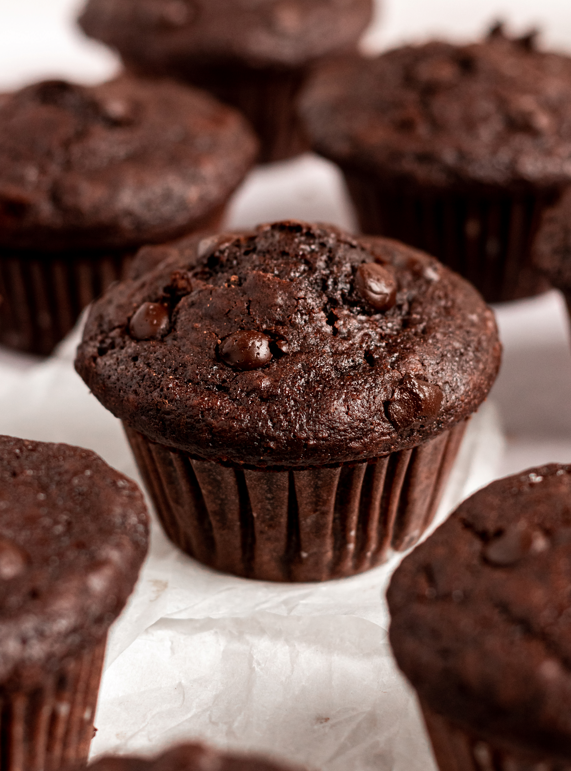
{"type": "Point", "coordinates": [481, 626]}
{"type": "Point", "coordinates": [253, 55]}
{"type": "Point", "coordinates": [90, 174]}
{"type": "Point", "coordinates": [456, 149]}
{"type": "Point", "coordinates": [188, 757]}
{"type": "Point", "coordinates": [294, 396]}
{"type": "Point", "coordinates": [73, 535]}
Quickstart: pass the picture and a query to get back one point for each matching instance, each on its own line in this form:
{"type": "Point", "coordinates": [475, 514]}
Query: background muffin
{"type": "Point", "coordinates": [89, 174]}
{"type": "Point", "coordinates": [480, 626]}
{"type": "Point", "coordinates": [294, 395]}
{"type": "Point", "coordinates": [456, 149]}
{"type": "Point", "coordinates": [552, 247]}
{"type": "Point", "coordinates": [73, 535]}
{"type": "Point", "coordinates": [253, 55]}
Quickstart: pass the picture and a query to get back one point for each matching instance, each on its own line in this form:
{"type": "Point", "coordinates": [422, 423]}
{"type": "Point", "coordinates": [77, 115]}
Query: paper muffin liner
{"type": "Point", "coordinates": [296, 525]}
{"type": "Point", "coordinates": [51, 727]}
{"type": "Point", "coordinates": [266, 96]}
{"type": "Point", "coordinates": [457, 750]}
{"type": "Point", "coordinates": [43, 293]}
{"type": "Point", "coordinates": [487, 239]}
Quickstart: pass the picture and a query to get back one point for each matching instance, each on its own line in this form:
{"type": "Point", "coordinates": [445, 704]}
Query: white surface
{"type": "Point", "coordinates": [303, 672]}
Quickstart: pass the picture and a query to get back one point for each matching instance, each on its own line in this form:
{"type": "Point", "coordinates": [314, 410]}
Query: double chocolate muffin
{"type": "Point", "coordinates": [294, 395]}
{"type": "Point", "coordinates": [73, 535]}
{"type": "Point", "coordinates": [455, 149]}
{"type": "Point", "coordinates": [481, 626]}
{"type": "Point", "coordinates": [253, 55]}
{"type": "Point", "coordinates": [188, 757]}
{"type": "Point", "coordinates": [90, 174]}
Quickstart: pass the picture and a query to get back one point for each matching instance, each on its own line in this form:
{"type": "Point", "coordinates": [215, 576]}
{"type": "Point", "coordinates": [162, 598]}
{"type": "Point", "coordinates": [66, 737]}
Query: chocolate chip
{"type": "Point", "coordinates": [12, 560]}
{"type": "Point", "coordinates": [118, 112]}
{"type": "Point", "coordinates": [377, 285]}
{"type": "Point", "coordinates": [150, 322]}
{"type": "Point", "coordinates": [414, 399]}
{"type": "Point", "coordinates": [513, 544]}
{"type": "Point", "coordinates": [246, 350]}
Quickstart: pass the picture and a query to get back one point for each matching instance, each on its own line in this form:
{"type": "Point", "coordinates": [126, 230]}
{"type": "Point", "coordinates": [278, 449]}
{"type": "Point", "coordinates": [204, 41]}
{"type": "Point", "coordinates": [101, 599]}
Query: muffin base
{"type": "Point", "coordinates": [296, 525]}
{"type": "Point", "coordinates": [43, 293]}
{"type": "Point", "coordinates": [266, 96]}
{"type": "Point", "coordinates": [487, 239]}
{"type": "Point", "coordinates": [457, 750]}
{"type": "Point", "coordinates": [51, 727]}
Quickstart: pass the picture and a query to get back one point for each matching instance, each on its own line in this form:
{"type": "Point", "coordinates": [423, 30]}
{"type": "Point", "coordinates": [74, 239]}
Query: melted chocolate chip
{"type": "Point", "coordinates": [12, 560]}
{"type": "Point", "coordinates": [150, 322]}
{"type": "Point", "coordinates": [377, 285]}
{"type": "Point", "coordinates": [246, 350]}
{"type": "Point", "coordinates": [414, 399]}
{"type": "Point", "coordinates": [510, 547]}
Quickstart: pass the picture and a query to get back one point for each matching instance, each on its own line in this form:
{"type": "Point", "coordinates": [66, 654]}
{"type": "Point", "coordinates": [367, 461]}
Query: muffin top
{"type": "Point", "coordinates": [493, 113]}
{"type": "Point", "coordinates": [291, 345]}
{"type": "Point", "coordinates": [259, 33]}
{"type": "Point", "coordinates": [481, 616]}
{"type": "Point", "coordinates": [186, 757]}
{"type": "Point", "coordinates": [119, 164]}
{"type": "Point", "coordinates": [73, 535]}
{"type": "Point", "coordinates": [552, 246]}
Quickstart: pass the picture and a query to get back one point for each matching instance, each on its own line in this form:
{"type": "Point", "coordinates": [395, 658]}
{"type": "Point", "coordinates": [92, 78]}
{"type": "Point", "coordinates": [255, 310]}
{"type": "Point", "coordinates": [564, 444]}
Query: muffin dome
{"type": "Point", "coordinates": [480, 615]}
{"type": "Point", "coordinates": [263, 33]}
{"type": "Point", "coordinates": [118, 164]}
{"type": "Point", "coordinates": [293, 345]}
{"type": "Point", "coordinates": [492, 113]}
{"type": "Point", "coordinates": [73, 535]}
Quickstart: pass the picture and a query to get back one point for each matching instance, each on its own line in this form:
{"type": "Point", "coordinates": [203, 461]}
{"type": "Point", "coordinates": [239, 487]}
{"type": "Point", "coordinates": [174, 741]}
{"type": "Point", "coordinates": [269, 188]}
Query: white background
{"type": "Point", "coordinates": [303, 673]}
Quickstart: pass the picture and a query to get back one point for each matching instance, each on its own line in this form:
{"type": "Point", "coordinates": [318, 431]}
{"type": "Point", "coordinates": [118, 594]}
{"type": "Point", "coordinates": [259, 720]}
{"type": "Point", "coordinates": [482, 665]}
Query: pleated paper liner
{"type": "Point", "coordinates": [296, 525]}
{"type": "Point", "coordinates": [51, 727]}
{"type": "Point", "coordinates": [457, 750]}
{"type": "Point", "coordinates": [43, 293]}
{"type": "Point", "coordinates": [266, 96]}
{"type": "Point", "coordinates": [487, 239]}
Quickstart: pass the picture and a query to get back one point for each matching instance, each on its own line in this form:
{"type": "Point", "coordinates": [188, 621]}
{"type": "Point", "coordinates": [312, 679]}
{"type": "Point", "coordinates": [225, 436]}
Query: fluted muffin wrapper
{"type": "Point", "coordinates": [485, 238]}
{"type": "Point", "coordinates": [43, 293]}
{"type": "Point", "coordinates": [51, 727]}
{"type": "Point", "coordinates": [455, 749]}
{"type": "Point", "coordinates": [266, 96]}
{"type": "Point", "coordinates": [296, 525]}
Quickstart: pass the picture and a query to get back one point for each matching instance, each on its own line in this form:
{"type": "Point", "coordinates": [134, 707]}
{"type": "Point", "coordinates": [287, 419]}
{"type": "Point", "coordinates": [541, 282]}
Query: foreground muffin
{"type": "Point", "coordinates": [73, 535]}
{"type": "Point", "coordinates": [188, 757]}
{"type": "Point", "coordinates": [294, 396]}
{"type": "Point", "coordinates": [481, 626]}
{"type": "Point", "coordinates": [88, 175]}
{"type": "Point", "coordinates": [253, 55]}
{"type": "Point", "coordinates": [456, 149]}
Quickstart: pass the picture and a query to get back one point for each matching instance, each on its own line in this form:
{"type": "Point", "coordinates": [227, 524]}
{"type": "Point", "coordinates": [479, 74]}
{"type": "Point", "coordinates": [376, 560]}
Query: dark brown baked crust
{"type": "Point", "coordinates": [491, 114]}
{"type": "Point", "coordinates": [73, 535]}
{"type": "Point", "coordinates": [188, 757]}
{"type": "Point", "coordinates": [552, 245]}
{"type": "Point", "coordinates": [481, 617]}
{"type": "Point", "coordinates": [162, 35]}
{"type": "Point", "coordinates": [268, 349]}
{"type": "Point", "coordinates": [115, 165]}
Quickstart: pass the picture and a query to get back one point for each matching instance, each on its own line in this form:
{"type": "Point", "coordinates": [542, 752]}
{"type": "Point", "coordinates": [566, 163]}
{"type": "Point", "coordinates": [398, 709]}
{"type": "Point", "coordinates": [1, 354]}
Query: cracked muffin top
{"type": "Point", "coordinates": [294, 345]}
{"type": "Point", "coordinates": [118, 164]}
{"type": "Point", "coordinates": [73, 535]}
{"type": "Point", "coordinates": [258, 33]}
{"type": "Point", "coordinates": [187, 757]}
{"type": "Point", "coordinates": [481, 615]}
{"type": "Point", "coordinates": [496, 112]}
